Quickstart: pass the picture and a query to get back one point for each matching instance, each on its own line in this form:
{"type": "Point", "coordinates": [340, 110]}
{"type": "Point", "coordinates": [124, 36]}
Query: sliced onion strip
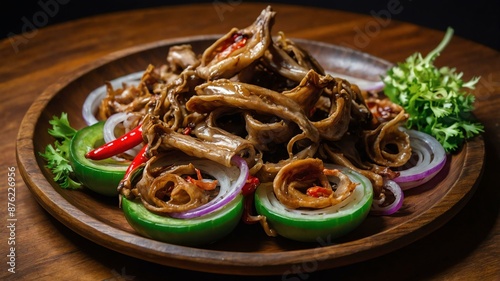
{"type": "Point", "coordinates": [379, 207]}
{"type": "Point", "coordinates": [231, 181]}
{"type": "Point", "coordinates": [427, 160]}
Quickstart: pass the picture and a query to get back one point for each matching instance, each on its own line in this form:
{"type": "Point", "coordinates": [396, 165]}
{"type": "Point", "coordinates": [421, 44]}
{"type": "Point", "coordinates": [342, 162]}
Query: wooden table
{"type": "Point", "coordinates": [466, 248]}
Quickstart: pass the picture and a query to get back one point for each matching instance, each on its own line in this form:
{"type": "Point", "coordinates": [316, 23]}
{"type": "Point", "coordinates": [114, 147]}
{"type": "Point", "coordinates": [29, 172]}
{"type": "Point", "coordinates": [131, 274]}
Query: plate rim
{"type": "Point", "coordinates": [205, 259]}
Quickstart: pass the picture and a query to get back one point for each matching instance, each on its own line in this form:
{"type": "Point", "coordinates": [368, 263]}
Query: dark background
{"type": "Point", "coordinates": [477, 20]}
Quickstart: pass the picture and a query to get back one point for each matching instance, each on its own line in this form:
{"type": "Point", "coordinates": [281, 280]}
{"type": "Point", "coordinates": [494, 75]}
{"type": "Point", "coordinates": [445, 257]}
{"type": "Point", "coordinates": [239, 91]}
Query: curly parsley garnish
{"type": "Point", "coordinates": [57, 155]}
{"type": "Point", "coordinates": [434, 98]}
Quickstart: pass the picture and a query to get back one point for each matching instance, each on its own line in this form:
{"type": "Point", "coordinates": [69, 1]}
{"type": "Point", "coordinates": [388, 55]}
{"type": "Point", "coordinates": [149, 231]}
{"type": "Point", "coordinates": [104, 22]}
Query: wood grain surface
{"type": "Point", "coordinates": [466, 247]}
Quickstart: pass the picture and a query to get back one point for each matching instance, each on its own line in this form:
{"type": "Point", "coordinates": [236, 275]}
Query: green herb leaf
{"type": "Point", "coordinates": [434, 97]}
{"type": "Point", "coordinates": [57, 155]}
{"type": "Point", "coordinates": [61, 129]}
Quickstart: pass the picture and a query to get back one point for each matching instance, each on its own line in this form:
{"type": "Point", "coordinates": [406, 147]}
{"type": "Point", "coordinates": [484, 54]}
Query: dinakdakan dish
{"type": "Point", "coordinates": [253, 130]}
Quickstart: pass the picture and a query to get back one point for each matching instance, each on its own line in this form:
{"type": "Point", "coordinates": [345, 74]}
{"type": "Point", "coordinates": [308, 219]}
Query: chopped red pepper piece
{"type": "Point", "coordinates": [205, 185]}
{"type": "Point", "coordinates": [187, 131]}
{"type": "Point", "coordinates": [234, 43]}
{"type": "Point", "coordinates": [319, 191]}
{"type": "Point", "coordinates": [117, 146]}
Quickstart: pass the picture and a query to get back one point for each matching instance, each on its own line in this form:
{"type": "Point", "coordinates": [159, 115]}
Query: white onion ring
{"type": "Point", "coordinates": [93, 100]}
{"type": "Point", "coordinates": [231, 182]}
{"type": "Point", "coordinates": [377, 206]}
{"type": "Point", "coordinates": [109, 130]}
{"type": "Point", "coordinates": [427, 160]}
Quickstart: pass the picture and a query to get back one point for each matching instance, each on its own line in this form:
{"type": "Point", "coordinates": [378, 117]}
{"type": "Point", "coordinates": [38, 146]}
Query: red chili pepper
{"type": "Point", "coordinates": [319, 191]}
{"type": "Point", "coordinates": [250, 185]}
{"type": "Point", "coordinates": [139, 159]}
{"type": "Point", "coordinates": [247, 190]}
{"type": "Point", "coordinates": [117, 146]}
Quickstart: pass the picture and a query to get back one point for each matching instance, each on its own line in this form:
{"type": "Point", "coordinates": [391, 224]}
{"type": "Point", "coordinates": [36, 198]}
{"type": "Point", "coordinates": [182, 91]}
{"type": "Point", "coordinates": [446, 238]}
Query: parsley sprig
{"type": "Point", "coordinates": [57, 155]}
{"type": "Point", "coordinates": [435, 98]}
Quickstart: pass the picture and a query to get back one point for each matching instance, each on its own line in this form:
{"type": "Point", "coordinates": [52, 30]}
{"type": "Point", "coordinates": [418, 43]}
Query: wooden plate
{"type": "Point", "coordinates": [247, 250]}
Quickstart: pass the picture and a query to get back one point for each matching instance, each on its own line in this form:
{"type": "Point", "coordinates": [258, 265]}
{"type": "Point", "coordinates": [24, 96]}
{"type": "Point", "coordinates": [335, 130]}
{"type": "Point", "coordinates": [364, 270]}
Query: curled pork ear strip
{"type": "Point", "coordinates": [225, 93]}
{"type": "Point", "coordinates": [168, 191]}
{"type": "Point", "coordinates": [265, 135]}
{"type": "Point", "coordinates": [237, 49]}
{"type": "Point", "coordinates": [129, 98]}
{"type": "Point", "coordinates": [387, 145]}
{"type": "Point", "coordinates": [382, 109]}
{"type": "Point", "coordinates": [340, 158]}
{"type": "Point", "coordinates": [287, 59]}
{"type": "Point", "coordinates": [226, 141]}
{"type": "Point", "coordinates": [335, 97]}
{"type": "Point", "coordinates": [338, 117]}
{"type": "Point", "coordinates": [170, 102]}
{"type": "Point", "coordinates": [309, 90]}
{"type": "Point", "coordinates": [292, 181]}
{"type": "Point", "coordinates": [298, 54]}
{"type": "Point", "coordinates": [181, 57]}
{"type": "Point", "coordinates": [161, 137]}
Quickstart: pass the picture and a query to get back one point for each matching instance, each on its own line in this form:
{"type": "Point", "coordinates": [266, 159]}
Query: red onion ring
{"type": "Point", "coordinates": [93, 100]}
{"type": "Point", "coordinates": [229, 187]}
{"type": "Point", "coordinates": [427, 160]}
{"type": "Point", "coordinates": [378, 207]}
